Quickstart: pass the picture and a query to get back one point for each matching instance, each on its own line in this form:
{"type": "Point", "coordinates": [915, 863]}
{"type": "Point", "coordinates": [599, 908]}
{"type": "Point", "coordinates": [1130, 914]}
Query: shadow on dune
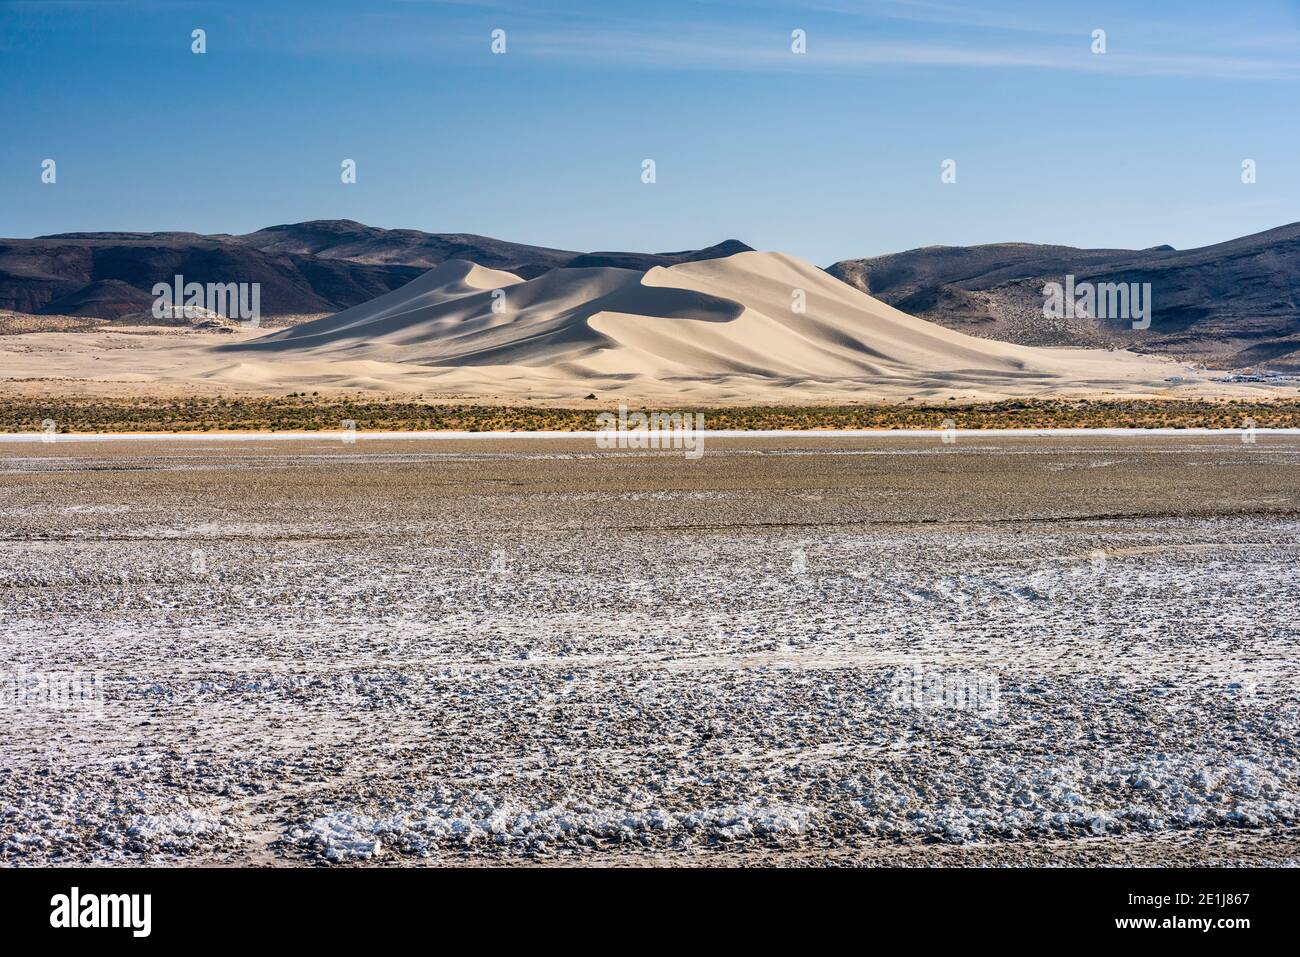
{"type": "Point", "coordinates": [427, 321]}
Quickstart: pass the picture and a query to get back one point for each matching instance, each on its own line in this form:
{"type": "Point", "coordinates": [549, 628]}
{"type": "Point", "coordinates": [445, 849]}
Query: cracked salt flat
{"type": "Point", "coordinates": [345, 678]}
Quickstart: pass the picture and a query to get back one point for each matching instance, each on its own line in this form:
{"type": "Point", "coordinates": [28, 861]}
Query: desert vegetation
{"type": "Point", "coordinates": [310, 412]}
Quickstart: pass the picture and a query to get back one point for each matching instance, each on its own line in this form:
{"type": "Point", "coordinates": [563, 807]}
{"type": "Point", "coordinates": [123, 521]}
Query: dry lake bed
{"type": "Point", "coordinates": [799, 650]}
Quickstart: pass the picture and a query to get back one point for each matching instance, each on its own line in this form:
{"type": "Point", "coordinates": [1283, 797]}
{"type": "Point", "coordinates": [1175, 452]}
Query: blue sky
{"type": "Point", "coordinates": [832, 154]}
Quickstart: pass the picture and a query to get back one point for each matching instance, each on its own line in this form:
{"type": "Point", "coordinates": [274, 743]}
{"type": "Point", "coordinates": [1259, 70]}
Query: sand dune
{"type": "Point", "coordinates": [717, 322]}
{"type": "Point", "coordinates": [724, 330]}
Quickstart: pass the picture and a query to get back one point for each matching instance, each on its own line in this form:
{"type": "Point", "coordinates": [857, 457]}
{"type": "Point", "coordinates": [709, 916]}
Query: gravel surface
{"type": "Point", "coordinates": [796, 651]}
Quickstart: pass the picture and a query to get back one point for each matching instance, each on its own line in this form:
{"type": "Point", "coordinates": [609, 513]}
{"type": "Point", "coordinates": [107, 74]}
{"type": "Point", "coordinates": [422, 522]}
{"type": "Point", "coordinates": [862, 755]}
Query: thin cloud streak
{"type": "Point", "coordinates": [722, 50]}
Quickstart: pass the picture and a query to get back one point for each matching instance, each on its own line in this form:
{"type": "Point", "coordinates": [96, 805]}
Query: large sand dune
{"type": "Point", "coordinates": [719, 330]}
{"type": "Point", "coordinates": [728, 326]}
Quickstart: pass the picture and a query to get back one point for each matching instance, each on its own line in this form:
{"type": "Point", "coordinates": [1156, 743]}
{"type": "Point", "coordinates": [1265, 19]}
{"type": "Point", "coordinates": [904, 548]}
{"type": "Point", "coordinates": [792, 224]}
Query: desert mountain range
{"type": "Point", "coordinates": [1231, 305]}
{"type": "Point", "coordinates": [312, 267]}
{"type": "Point", "coordinates": [702, 327]}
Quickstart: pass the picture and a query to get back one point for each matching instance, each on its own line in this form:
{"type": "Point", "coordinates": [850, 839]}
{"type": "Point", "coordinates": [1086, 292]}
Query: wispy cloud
{"type": "Point", "coordinates": [846, 36]}
{"type": "Point", "coordinates": [754, 35]}
{"type": "Point", "coordinates": [943, 14]}
{"type": "Point", "coordinates": [730, 49]}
